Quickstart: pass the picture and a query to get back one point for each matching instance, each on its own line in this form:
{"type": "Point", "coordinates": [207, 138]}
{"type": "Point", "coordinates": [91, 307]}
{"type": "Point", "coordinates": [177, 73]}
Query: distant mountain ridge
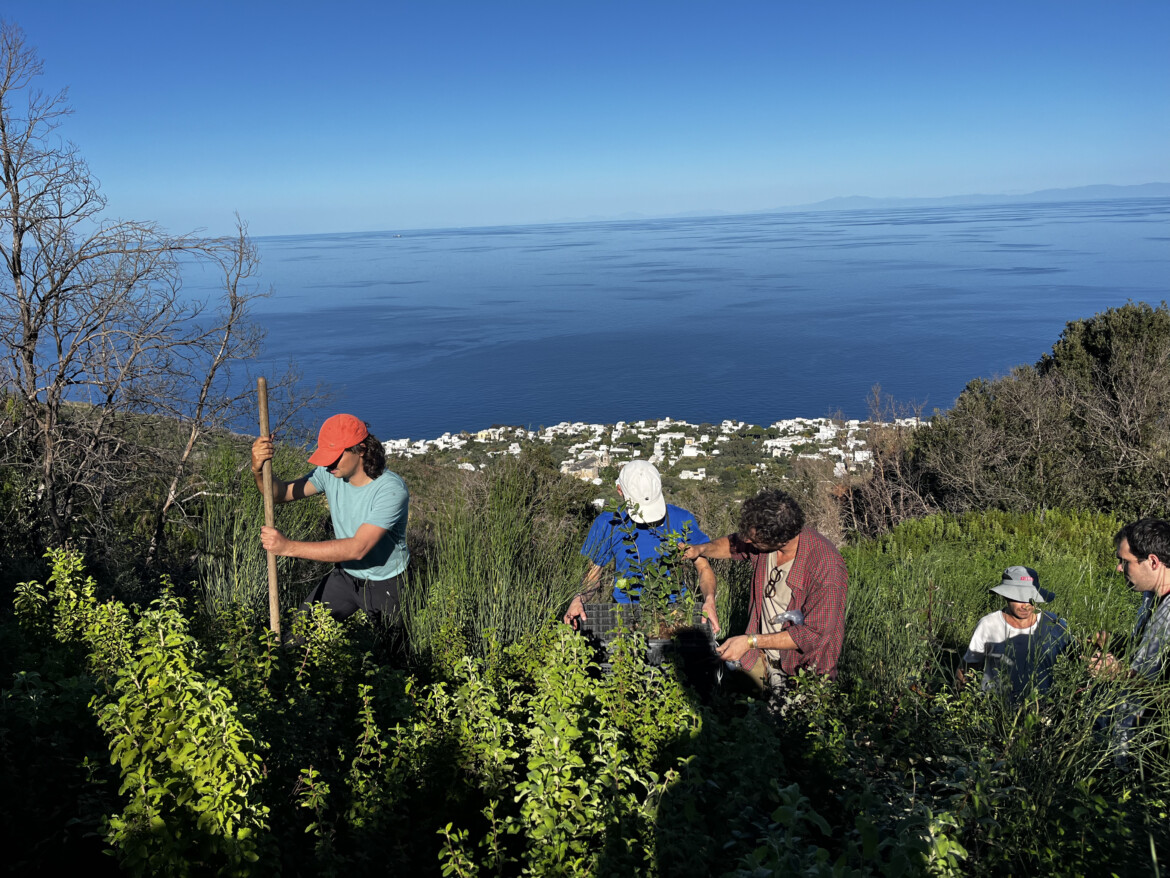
{"type": "Point", "coordinates": [1099, 192]}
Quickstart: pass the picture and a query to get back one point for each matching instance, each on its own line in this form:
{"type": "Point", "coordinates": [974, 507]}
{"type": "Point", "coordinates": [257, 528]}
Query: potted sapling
{"type": "Point", "coordinates": [666, 606]}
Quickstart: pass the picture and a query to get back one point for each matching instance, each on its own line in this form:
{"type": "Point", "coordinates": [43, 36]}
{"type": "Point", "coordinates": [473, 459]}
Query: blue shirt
{"type": "Point", "coordinates": [607, 543]}
{"type": "Point", "coordinates": [384, 503]}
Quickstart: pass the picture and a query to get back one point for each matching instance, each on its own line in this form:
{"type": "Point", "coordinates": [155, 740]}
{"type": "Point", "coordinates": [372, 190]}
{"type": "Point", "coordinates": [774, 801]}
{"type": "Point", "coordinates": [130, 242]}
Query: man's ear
{"type": "Point", "coordinates": [1155, 561]}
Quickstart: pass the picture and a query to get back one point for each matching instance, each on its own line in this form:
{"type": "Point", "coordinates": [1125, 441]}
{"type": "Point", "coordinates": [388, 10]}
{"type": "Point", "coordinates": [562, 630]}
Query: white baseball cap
{"type": "Point", "coordinates": [642, 487]}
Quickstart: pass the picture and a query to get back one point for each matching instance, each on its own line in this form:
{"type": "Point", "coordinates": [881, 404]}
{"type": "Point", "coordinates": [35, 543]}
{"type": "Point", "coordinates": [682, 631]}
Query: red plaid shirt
{"type": "Point", "coordinates": [819, 582]}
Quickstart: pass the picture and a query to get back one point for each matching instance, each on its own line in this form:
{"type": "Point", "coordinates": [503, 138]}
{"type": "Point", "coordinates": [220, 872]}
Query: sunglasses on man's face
{"type": "Point", "coordinates": [761, 547]}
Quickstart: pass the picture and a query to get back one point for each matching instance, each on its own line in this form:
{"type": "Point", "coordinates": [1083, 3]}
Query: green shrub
{"type": "Point", "coordinates": [234, 754]}
{"type": "Point", "coordinates": [187, 764]}
{"type": "Point", "coordinates": [1085, 427]}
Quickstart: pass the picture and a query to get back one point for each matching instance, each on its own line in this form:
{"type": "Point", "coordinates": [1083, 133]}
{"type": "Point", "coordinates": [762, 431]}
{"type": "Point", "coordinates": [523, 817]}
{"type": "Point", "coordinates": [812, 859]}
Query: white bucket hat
{"type": "Point", "coordinates": [1020, 584]}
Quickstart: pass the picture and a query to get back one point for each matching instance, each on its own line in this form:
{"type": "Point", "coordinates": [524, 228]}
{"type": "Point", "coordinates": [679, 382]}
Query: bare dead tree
{"type": "Point", "coordinates": [231, 339]}
{"type": "Point", "coordinates": [98, 334]}
{"type": "Point", "coordinates": [892, 492]}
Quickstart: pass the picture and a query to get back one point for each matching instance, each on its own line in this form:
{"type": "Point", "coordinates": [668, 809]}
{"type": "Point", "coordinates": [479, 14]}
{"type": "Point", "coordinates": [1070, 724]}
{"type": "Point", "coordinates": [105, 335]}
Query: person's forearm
{"type": "Point", "coordinates": [779, 640]}
{"type": "Point", "coordinates": [280, 492]}
{"type": "Point", "coordinates": [706, 579]}
{"type": "Point", "coordinates": [720, 548]}
{"type": "Point", "coordinates": [330, 551]}
{"type": "Point", "coordinates": [591, 584]}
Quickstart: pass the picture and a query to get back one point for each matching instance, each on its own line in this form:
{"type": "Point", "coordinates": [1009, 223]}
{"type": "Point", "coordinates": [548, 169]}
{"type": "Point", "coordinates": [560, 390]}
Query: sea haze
{"type": "Point", "coordinates": [755, 317]}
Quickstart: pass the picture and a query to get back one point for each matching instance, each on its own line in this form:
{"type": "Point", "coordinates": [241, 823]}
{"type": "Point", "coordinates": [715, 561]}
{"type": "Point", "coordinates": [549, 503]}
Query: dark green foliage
{"type": "Point", "coordinates": [1116, 371]}
{"type": "Point", "coordinates": [56, 783]}
{"type": "Point", "coordinates": [1087, 427]}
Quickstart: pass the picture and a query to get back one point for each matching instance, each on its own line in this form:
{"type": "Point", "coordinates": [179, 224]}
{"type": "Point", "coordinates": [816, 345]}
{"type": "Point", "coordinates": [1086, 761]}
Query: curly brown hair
{"type": "Point", "coordinates": [373, 455]}
{"type": "Point", "coordinates": [771, 518]}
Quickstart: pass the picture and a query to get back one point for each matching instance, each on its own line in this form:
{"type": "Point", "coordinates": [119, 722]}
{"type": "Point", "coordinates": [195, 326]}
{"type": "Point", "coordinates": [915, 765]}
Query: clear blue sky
{"type": "Point", "coordinates": [314, 117]}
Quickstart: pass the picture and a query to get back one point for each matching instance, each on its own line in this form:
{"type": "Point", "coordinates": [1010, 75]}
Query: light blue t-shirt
{"type": "Point", "coordinates": [384, 502]}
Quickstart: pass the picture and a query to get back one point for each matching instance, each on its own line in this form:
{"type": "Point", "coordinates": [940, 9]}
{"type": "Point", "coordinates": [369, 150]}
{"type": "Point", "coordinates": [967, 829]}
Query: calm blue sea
{"type": "Point", "coordinates": [755, 317]}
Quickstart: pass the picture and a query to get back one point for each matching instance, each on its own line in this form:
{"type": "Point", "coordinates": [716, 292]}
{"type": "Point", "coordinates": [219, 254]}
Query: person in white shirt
{"type": "Point", "coordinates": [1016, 646]}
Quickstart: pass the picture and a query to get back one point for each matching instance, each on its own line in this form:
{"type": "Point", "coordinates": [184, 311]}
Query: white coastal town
{"type": "Point", "coordinates": [698, 452]}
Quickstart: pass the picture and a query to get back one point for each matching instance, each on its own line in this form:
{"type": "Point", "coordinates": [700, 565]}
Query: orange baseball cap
{"type": "Point", "coordinates": [337, 434]}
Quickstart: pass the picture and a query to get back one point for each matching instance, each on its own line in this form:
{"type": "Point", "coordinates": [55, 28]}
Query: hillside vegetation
{"type": "Point", "coordinates": [151, 724]}
{"type": "Point", "coordinates": [188, 741]}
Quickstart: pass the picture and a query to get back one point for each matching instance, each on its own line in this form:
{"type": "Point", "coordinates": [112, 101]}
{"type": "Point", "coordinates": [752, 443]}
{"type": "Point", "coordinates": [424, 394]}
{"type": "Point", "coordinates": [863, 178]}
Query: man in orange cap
{"type": "Point", "coordinates": [368, 505]}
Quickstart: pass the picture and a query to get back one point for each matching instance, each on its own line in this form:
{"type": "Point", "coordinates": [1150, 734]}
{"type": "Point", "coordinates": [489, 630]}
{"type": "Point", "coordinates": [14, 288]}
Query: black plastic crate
{"type": "Point", "coordinates": [603, 620]}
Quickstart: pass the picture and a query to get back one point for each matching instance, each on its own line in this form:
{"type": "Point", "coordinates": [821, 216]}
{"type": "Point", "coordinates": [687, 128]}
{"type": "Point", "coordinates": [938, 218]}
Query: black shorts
{"type": "Point", "coordinates": [344, 594]}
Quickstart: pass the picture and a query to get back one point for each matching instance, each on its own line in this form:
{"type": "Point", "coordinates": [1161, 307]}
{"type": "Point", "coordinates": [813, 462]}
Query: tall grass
{"type": "Point", "coordinates": [1060, 772]}
{"type": "Point", "coordinates": [232, 565]}
{"type": "Point", "coordinates": [916, 594]}
{"type": "Point", "coordinates": [504, 559]}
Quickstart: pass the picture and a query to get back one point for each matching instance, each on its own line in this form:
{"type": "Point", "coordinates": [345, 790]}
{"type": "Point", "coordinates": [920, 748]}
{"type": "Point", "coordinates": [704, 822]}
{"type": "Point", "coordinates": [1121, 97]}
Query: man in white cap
{"type": "Point", "coordinates": [1016, 646]}
{"type": "Point", "coordinates": [368, 505]}
{"type": "Point", "coordinates": [635, 536]}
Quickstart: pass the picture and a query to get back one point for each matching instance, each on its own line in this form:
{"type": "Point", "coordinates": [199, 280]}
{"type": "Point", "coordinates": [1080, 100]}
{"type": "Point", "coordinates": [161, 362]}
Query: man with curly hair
{"type": "Point", "coordinates": [798, 590]}
{"type": "Point", "coordinates": [368, 505]}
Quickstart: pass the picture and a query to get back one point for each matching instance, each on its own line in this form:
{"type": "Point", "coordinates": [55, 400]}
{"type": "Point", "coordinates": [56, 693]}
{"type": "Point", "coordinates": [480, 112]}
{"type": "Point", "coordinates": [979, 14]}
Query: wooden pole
{"type": "Point", "coordinates": [269, 512]}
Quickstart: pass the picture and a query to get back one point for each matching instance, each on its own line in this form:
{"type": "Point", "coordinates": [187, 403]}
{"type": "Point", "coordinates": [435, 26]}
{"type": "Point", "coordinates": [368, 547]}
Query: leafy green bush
{"type": "Point", "coordinates": [187, 764]}
{"type": "Point", "coordinates": [1086, 427]}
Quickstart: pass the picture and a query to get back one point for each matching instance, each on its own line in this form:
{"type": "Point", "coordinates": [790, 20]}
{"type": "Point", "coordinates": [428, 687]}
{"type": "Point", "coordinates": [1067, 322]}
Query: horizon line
{"type": "Point", "coordinates": [828, 205]}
